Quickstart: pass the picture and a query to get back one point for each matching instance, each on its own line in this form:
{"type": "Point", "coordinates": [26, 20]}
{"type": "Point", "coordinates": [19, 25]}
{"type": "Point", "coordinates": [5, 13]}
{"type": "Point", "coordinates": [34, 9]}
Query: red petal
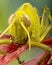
{"type": "Point", "coordinates": [6, 36]}
{"type": "Point", "coordinates": [8, 48]}
{"type": "Point", "coordinates": [48, 42]}
{"type": "Point", "coordinates": [37, 59]}
{"type": "Point", "coordinates": [9, 57]}
{"type": "Point", "coordinates": [50, 64]}
{"type": "Point", "coordinates": [46, 60]}
{"type": "Point", "coordinates": [15, 51]}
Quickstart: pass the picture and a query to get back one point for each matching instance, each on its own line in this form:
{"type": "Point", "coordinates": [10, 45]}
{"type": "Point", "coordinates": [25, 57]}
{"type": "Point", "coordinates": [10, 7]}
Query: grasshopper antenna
{"type": "Point", "coordinates": [11, 18]}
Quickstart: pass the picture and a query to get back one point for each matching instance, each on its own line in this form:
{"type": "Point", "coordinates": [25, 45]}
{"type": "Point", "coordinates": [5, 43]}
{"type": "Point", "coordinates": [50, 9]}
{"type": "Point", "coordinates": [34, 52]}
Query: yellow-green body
{"type": "Point", "coordinates": [25, 26]}
{"type": "Point", "coordinates": [32, 13]}
{"type": "Point", "coordinates": [36, 31]}
{"type": "Point", "coordinates": [18, 33]}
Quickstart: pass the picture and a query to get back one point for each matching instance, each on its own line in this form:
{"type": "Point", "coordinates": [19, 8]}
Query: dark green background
{"type": "Point", "coordinates": [7, 7]}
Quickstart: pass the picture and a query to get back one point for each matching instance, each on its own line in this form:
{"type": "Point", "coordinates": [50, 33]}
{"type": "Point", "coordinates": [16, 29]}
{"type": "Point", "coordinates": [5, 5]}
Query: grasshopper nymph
{"type": "Point", "coordinates": [24, 25]}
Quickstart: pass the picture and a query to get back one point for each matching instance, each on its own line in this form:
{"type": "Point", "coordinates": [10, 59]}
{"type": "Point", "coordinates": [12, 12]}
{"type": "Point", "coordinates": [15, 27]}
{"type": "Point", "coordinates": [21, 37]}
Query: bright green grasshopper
{"type": "Point", "coordinates": [25, 25]}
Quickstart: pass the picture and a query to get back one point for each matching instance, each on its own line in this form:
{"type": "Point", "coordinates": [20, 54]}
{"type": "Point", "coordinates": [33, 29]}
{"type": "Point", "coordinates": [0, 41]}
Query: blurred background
{"type": "Point", "coordinates": [7, 7]}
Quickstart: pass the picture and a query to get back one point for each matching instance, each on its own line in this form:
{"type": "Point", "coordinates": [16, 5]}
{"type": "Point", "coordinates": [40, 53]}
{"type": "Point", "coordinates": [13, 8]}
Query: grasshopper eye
{"type": "Point", "coordinates": [26, 19]}
{"type": "Point", "coordinates": [10, 18]}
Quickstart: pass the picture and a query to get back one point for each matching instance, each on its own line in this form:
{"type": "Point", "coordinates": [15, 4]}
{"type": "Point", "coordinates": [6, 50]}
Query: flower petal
{"type": "Point", "coordinates": [9, 57]}
{"type": "Point", "coordinates": [48, 42]}
{"type": "Point", "coordinates": [36, 60]}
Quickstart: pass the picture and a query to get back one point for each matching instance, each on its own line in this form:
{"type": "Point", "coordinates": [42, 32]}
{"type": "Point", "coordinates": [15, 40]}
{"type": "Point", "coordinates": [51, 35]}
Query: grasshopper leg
{"type": "Point", "coordinates": [27, 33]}
{"type": "Point", "coordinates": [44, 47]}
